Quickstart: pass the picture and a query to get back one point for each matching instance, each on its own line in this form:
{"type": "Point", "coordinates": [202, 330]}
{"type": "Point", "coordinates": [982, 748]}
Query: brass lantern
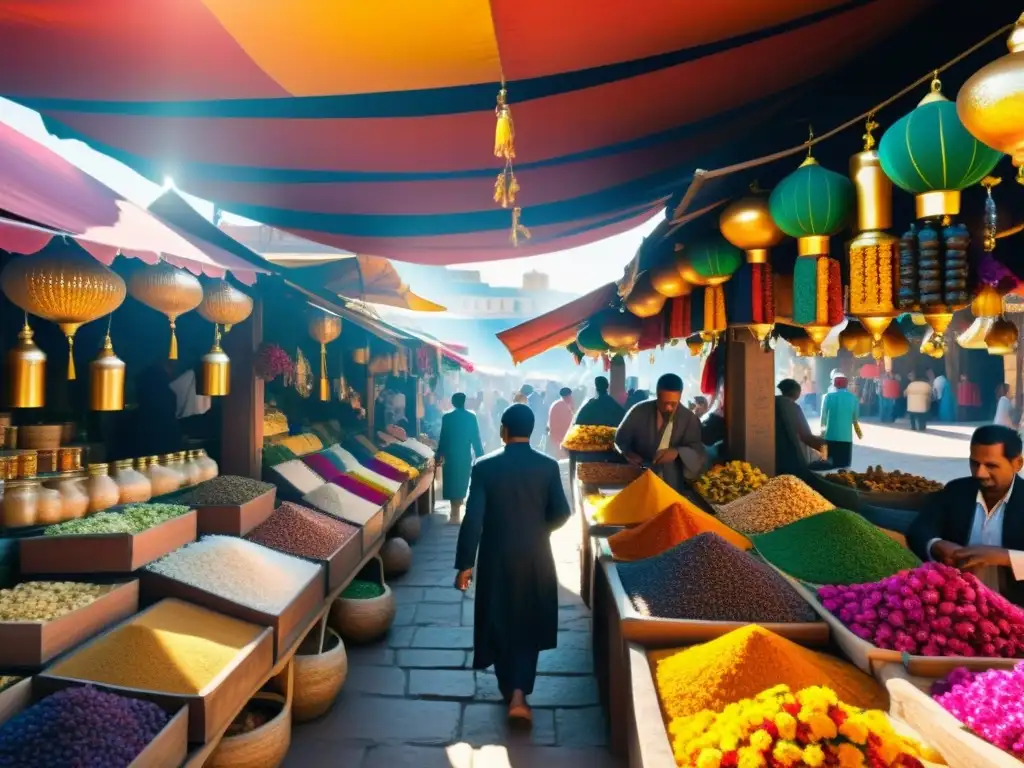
{"type": "Point", "coordinates": [26, 365]}
{"type": "Point", "coordinates": [215, 373]}
{"type": "Point", "coordinates": [643, 300]}
{"type": "Point", "coordinates": [168, 290]}
{"type": "Point", "coordinates": [748, 224]}
{"type": "Point", "coordinates": [224, 304]}
{"type": "Point", "coordinates": [667, 281]}
{"type": "Point", "coordinates": [855, 339]}
{"type": "Point", "coordinates": [64, 285]}
{"type": "Point", "coordinates": [1001, 338]}
{"type": "Point", "coordinates": [620, 330]}
{"type": "Point", "coordinates": [106, 379]}
{"type": "Point", "coordinates": [987, 303]}
{"type": "Point", "coordinates": [324, 328]}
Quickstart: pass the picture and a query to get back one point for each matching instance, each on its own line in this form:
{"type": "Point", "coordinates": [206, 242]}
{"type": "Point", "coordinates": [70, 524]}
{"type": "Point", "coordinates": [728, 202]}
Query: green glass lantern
{"type": "Point", "coordinates": [710, 262]}
{"type": "Point", "coordinates": [588, 338]}
{"type": "Point", "coordinates": [929, 153]}
{"type": "Point", "coordinates": [811, 204]}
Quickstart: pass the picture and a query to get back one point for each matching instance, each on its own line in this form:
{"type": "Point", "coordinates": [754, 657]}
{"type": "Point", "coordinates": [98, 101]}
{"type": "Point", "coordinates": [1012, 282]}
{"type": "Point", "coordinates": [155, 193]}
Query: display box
{"type": "Point", "coordinates": [105, 552]}
{"type": "Point", "coordinates": [235, 519]}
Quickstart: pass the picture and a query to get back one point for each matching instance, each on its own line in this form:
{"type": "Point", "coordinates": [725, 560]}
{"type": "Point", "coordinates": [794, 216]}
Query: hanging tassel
{"type": "Point", "coordinates": [504, 130]}
{"type": "Point", "coordinates": [71, 358]}
{"type": "Point", "coordinates": [506, 187]}
{"type": "Point", "coordinates": [325, 384]}
{"type": "Point", "coordinates": [990, 213]}
{"type": "Point", "coordinates": [518, 229]}
{"type": "Point", "coordinates": [173, 355]}
{"type": "Point", "coordinates": [821, 292]}
{"type": "Point", "coordinates": [834, 292]}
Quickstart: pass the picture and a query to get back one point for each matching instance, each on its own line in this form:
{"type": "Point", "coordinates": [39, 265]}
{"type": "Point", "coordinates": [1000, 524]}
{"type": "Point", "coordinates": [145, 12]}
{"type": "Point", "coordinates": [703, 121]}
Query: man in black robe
{"type": "Point", "coordinates": [602, 410]}
{"type": "Point", "coordinates": [515, 501]}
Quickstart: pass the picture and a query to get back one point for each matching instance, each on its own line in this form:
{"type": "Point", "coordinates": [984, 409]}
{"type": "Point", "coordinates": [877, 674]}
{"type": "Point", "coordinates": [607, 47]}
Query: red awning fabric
{"type": "Point", "coordinates": [557, 327]}
{"type": "Point", "coordinates": [42, 196]}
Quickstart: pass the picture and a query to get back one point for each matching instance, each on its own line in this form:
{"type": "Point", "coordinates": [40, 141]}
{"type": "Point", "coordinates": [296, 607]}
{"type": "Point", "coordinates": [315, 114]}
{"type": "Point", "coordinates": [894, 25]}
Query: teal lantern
{"type": "Point", "coordinates": [811, 204]}
{"type": "Point", "coordinates": [710, 262]}
{"type": "Point", "coordinates": [588, 339]}
{"type": "Point", "coordinates": [929, 153]}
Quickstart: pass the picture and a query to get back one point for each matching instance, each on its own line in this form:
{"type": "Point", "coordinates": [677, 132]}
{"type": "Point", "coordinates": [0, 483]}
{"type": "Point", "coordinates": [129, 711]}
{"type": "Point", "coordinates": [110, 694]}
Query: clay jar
{"type": "Point", "coordinates": [134, 487]}
{"type": "Point", "coordinates": [103, 491]}
{"type": "Point", "coordinates": [21, 503]}
{"type": "Point", "coordinates": [74, 499]}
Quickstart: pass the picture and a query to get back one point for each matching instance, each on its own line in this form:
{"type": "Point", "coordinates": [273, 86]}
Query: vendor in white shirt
{"type": "Point", "coordinates": [976, 523]}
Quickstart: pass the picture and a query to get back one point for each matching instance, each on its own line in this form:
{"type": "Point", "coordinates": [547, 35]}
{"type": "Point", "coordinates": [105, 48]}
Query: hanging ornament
{"type": "Point", "coordinates": [643, 300]}
{"type": "Point", "coordinates": [1001, 338]}
{"type": "Point", "coordinates": [991, 102]}
{"type": "Point", "coordinates": [747, 223]}
{"type": "Point", "coordinates": [855, 339]}
{"type": "Point", "coordinates": [930, 347]}
{"type": "Point", "coordinates": [710, 263]}
{"type": "Point", "coordinates": [224, 304]}
{"type": "Point", "coordinates": [620, 330]}
{"type": "Point", "coordinates": [678, 325]}
{"type": "Point", "coordinates": [106, 378]}
{"type": "Point", "coordinates": [65, 285]}
{"type": "Point", "coordinates": [695, 344]}
{"type": "Point", "coordinates": [215, 370]}
{"type": "Point", "coordinates": [812, 204]}
{"type": "Point", "coordinates": [324, 328]}
{"type": "Point", "coordinates": [168, 290]}
{"type": "Point", "coordinates": [589, 339]}
{"type": "Point", "coordinates": [894, 343]}
{"type": "Point", "coordinates": [987, 303]}
{"type": "Point", "coordinates": [667, 281]}
{"type": "Point", "coordinates": [26, 371]}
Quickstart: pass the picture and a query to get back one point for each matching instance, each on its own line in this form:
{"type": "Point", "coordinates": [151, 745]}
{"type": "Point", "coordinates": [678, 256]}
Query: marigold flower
{"type": "Point", "coordinates": [787, 754]}
{"type": "Point", "coordinates": [751, 758]}
{"type": "Point", "coordinates": [822, 727]}
{"type": "Point", "coordinates": [855, 730]}
{"type": "Point", "coordinates": [850, 756]}
{"type": "Point", "coordinates": [709, 758]}
{"type": "Point", "coordinates": [761, 740]}
{"type": "Point", "coordinates": [814, 755]}
{"type": "Point", "coordinates": [786, 724]}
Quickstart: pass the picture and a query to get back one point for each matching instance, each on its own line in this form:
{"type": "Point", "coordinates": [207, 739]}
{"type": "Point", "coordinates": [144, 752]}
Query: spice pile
{"type": "Point", "coordinates": [298, 475]}
{"type": "Point", "coordinates": [133, 518]}
{"type": "Point", "coordinates": [745, 662]}
{"type": "Point", "coordinates": [192, 645]}
{"type": "Point", "coordinates": [80, 726]}
{"type": "Point", "coordinates": [780, 727]}
{"type": "Point", "coordinates": [727, 482]}
{"type": "Point", "coordinates": [933, 610]}
{"type": "Point", "coordinates": [640, 500]}
{"type": "Point", "coordinates": [708, 579]}
{"type": "Point", "coordinates": [223, 491]}
{"type": "Point", "coordinates": [834, 547]}
{"type": "Point", "coordinates": [667, 529]}
{"type": "Point", "coordinates": [589, 439]}
{"type": "Point", "coordinates": [397, 463]}
{"type": "Point", "coordinates": [46, 600]}
{"type": "Point", "coordinates": [238, 570]}
{"type": "Point", "coordinates": [362, 590]}
{"type": "Point", "coordinates": [298, 530]}
{"type": "Point", "coordinates": [350, 464]}
{"type": "Point", "coordinates": [990, 704]}
{"type": "Point", "coordinates": [781, 501]}
{"type": "Point", "coordinates": [408, 455]}
{"type": "Point", "coordinates": [275, 454]}
{"type": "Point", "coordinates": [605, 473]}
{"type": "Point", "coordinates": [335, 500]}
{"type": "Point", "coordinates": [877, 480]}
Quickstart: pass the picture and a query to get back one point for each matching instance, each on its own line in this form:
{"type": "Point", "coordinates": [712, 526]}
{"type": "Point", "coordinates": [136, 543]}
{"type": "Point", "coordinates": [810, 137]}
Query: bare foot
{"type": "Point", "coordinates": [518, 710]}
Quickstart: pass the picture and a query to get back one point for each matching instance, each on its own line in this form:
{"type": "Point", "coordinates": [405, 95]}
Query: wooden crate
{"type": "Point", "coordinates": [235, 519]}
{"type": "Point", "coordinates": [28, 645]}
{"type": "Point", "coordinates": [213, 708]}
{"type": "Point", "coordinates": [105, 552]}
{"type": "Point", "coordinates": [166, 750]}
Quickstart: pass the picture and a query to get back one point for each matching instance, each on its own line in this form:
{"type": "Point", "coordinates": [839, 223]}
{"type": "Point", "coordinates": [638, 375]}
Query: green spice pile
{"type": "Point", "coordinates": [362, 590]}
{"type": "Point", "coordinates": [834, 547]}
{"type": "Point", "coordinates": [224, 490]}
{"type": "Point", "coordinates": [275, 453]}
{"type": "Point", "coordinates": [133, 518]}
{"type": "Point", "coordinates": [46, 600]}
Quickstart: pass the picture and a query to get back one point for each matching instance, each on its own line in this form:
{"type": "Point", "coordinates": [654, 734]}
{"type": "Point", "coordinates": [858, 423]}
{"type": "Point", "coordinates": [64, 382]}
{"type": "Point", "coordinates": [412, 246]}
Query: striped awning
{"type": "Point", "coordinates": [369, 125]}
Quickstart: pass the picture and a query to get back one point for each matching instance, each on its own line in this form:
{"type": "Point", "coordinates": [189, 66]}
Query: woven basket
{"type": "Point", "coordinates": [265, 746]}
{"type": "Point", "coordinates": [360, 621]}
{"type": "Point", "coordinates": [319, 675]}
{"type": "Point", "coordinates": [409, 528]}
{"type": "Point", "coordinates": [396, 556]}
{"type": "Point", "coordinates": [601, 473]}
{"type": "Point", "coordinates": [40, 436]}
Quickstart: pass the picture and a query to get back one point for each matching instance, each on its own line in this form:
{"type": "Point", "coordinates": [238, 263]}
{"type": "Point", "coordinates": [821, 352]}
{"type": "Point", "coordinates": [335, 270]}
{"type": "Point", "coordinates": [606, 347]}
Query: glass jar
{"type": "Point", "coordinates": [135, 487]}
{"type": "Point", "coordinates": [49, 506]}
{"type": "Point", "coordinates": [74, 499]}
{"type": "Point", "coordinates": [103, 491]}
{"type": "Point", "coordinates": [21, 503]}
{"type": "Point", "coordinates": [207, 467]}
{"type": "Point", "coordinates": [163, 478]}
{"type": "Point", "coordinates": [28, 464]}
{"type": "Point", "coordinates": [47, 460]}
{"type": "Point", "coordinates": [191, 470]}
{"type": "Point", "coordinates": [8, 467]}
{"type": "Point", "coordinates": [69, 459]}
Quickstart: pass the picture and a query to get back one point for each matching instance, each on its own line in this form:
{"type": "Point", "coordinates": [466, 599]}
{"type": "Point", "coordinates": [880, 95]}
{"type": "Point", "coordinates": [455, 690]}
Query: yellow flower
{"type": "Point", "coordinates": [709, 758]}
{"type": "Point", "coordinates": [855, 730]}
{"type": "Point", "coordinates": [751, 758]}
{"type": "Point", "coordinates": [822, 727]}
{"type": "Point", "coordinates": [889, 751]}
{"type": "Point", "coordinates": [787, 754]}
{"type": "Point", "coordinates": [761, 740]}
{"type": "Point", "coordinates": [730, 741]}
{"type": "Point", "coordinates": [786, 724]}
{"type": "Point", "coordinates": [850, 756]}
{"type": "Point", "coordinates": [813, 755]}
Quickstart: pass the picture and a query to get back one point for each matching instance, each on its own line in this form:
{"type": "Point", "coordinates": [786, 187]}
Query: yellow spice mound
{"type": "Point", "coordinates": [745, 662]}
{"type": "Point", "coordinates": [174, 647]}
{"type": "Point", "coordinates": [640, 500]}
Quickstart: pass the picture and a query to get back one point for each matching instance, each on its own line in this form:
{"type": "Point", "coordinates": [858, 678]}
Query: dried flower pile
{"type": "Point", "coordinates": [589, 439]}
{"type": "Point", "coordinates": [300, 531]}
{"type": "Point", "coordinates": [272, 361]}
{"type": "Point", "coordinates": [990, 704]}
{"type": "Point", "coordinates": [667, 529]}
{"type": "Point", "coordinates": [727, 482]}
{"type": "Point", "coordinates": [224, 490]}
{"type": "Point", "coordinates": [133, 518]}
{"type": "Point", "coordinates": [781, 501]}
{"type": "Point", "coordinates": [877, 480]}
{"type": "Point", "coordinates": [46, 600]}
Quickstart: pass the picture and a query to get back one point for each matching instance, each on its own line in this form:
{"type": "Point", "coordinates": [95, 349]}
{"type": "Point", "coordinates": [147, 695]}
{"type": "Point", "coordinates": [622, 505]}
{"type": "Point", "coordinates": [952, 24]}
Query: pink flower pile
{"type": "Point", "coordinates": [991, 704]}
{"type": "Point", "coordinates": [931, 610]}
{"type": "Point", "coordinates": [272, 361]}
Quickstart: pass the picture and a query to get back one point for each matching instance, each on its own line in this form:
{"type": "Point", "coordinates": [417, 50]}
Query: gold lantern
{"type": "Point", "coordinates": [667, 281]}
{"type": "Point", "coordinates": [65, 286]}
{"type": "Point", "coordinates": [26, 364]}
{"type": "Point", "coordinates": [748, 224]}
{"type": "Point", "coordinates": [106, 379]}
{"type": "Point", "coordinates": [930, 347]}
{"type": "Point", "coordinates": [223, 303]}
{"type": "Point", "coordinates": [855, 339]}
{"type": "Point", "coordinates": [695, 344]}
{"type": "Point", "coordinates": [168, 290]}
{"type": "Point", "coordinates": [324, 328]}
{"type": "Point", "coordinates": [361, 356]}
{"type": "Point", "coordinates": [215, 373]}
{"type": "Point", "coordinates": [620, 330]}
{"type": "Point", "coordinates": [991, 102]}
{"type": "Point", "coordinates": [987, 303]}
{"type": "Point", "coordinates": [644, 300]}
{"type": "Point", "coordinates": [1001, 338]}
{"type": "Point", "coordinates": [805, 346]}
{"type": "Point", "coordinates": [894, 344]}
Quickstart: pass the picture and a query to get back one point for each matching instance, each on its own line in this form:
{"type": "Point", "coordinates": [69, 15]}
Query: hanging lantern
{"type": "Point", "coordinates": [168, 290]}
{"type": "Point", "coordinates": [710, 263]}
{"type": "Point", "coordinates": [974, 336]}
{"type": "Point", "coordinates": [1001, 338]}
{"type": "Point", "coordinates": [215, 370]}
{"type": "Point", "coordinates": [324, 328]}
{"type": "Point", "coordinates": [106, 379]}
{"type": "Point", "coordinates": [812, 204]}
{"type": "Point", "coordinates": [991, 102]}
{"type": "Point", "coordinates": [805, 346]}
{"type": "Point", "coordinates": [855, 339]}
{"type": "Point", "coordinates": [589, 340]}
{"type": "Point", "coordinates": [695, 344]}
{"type": "Point", "coordinates": [987, 303]}
{"type": "Point", "coordinates": [64, 285]}
{"type": "Point", "coordinates": [667, 281]}
{"type": "Point", "coordinates": [26, 369]}
{"type": "Point", "coordinates": [361, 356]}
{"type": "Point", "coordinates": [643, 300]}
{"type": "Point", "coordinates": [930, 347]}
{"type": "Point", "coordinates": [224, 304]}
{"type": "Point", "coordinates": [894, 344]}
{"type": "Point", "coordinates": [620, 330]}
{"type": "Point", "coordinates": [747, 223]}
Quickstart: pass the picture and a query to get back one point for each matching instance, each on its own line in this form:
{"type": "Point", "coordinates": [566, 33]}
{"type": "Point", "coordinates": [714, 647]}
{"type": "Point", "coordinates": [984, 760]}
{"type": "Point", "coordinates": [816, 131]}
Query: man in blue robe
{"type": "Point", "coordinates": [459, 442]}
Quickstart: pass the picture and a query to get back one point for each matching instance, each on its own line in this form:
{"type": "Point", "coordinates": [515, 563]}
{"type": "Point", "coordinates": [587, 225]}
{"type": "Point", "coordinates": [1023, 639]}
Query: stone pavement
{"type": "Point", "coordinates": [412, 700]}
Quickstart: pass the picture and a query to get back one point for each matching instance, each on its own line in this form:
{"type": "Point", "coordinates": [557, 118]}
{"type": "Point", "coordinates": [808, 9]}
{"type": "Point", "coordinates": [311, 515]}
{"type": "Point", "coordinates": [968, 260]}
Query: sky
{"type": "Point", "coordinates": [578, 270]}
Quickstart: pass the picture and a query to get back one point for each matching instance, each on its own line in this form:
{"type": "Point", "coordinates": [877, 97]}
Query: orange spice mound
{"type": "Point", "coordinates": [667, 529]}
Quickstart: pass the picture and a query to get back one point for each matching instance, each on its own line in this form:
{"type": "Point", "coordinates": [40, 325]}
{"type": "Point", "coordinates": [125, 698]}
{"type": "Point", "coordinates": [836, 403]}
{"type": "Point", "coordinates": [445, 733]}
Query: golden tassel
{"type": "Point", "coordinates": [518, 229]}
{"type": "Point", "coordinates": [71, 358]}
{"type": "Point", "coordinates": [504, 130]}
{"type": "Point", "coordinates": [506, 187]}
{"type": "Point", "coordinates": [174, 344]}
{"type": "Point", "coordinates": [709, 310]}
{"type": "Point", "coordinates": [720, 308]}
{"type": "Point", "coordinates": [821, 290]}
{"type": "Point", "coordinates": [325, 384]}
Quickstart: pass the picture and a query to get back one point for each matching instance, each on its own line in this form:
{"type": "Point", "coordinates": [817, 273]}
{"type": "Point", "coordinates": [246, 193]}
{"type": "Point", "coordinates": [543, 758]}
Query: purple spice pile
{"type": "Point", "coordinates": [298, 530]}
{"type": "Point", "coordinates": [80, 726]}
{"type": "Point", "coordinates": [708, 579]}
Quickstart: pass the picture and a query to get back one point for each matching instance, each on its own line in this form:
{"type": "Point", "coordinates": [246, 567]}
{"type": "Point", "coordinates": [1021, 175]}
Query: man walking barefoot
{"type": "Point", "coordinates": [515, 501]}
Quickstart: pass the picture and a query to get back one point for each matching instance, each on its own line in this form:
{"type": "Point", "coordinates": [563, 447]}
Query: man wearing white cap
{"type": "Point", "coordinates": [839, 414]}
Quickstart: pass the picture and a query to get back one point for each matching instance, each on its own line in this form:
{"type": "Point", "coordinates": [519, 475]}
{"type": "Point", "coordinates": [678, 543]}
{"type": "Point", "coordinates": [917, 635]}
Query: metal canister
{"type": "Point", "coordinates": [47, 460]}
{"type": "Point", "coordinates": [28, 464]}
{"type": "Point", "coordinates": [69, 459]}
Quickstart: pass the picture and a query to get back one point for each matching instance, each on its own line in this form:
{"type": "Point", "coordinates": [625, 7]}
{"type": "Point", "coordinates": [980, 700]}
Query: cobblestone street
{"type": "Point", "coordinates": [412, 700]}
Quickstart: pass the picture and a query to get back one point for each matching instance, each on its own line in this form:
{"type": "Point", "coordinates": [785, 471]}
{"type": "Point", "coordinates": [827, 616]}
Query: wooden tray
{"type": "Point", "coordinates": [341, 563]}
{"type": "Point", "coordinates": [286, 625]}
{"type": "Point", "coordinates": [30, 644]}
{"type": "Point", "coordinates": [648, 744]}
{"type": "Point", "coordinates": [235, 519]}
{"type": "Point", "coordinates": [167, 750]}
{"type": "Point", "coordinates": [213, 708]}
{"type": "Point", "coordinates": [106, 552]}
{"type": "Point", "coordinates": [416, 490]}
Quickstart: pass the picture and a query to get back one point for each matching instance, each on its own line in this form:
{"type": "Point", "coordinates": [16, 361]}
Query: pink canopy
{"type": "Point", "coordinates": [42, 196]}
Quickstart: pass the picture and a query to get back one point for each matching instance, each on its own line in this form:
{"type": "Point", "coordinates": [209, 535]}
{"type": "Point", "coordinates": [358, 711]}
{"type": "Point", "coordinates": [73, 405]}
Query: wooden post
{"type": "Point", "coordinates": [242, 413]}
{"type": "Point", "coordinates": [750, 400]}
